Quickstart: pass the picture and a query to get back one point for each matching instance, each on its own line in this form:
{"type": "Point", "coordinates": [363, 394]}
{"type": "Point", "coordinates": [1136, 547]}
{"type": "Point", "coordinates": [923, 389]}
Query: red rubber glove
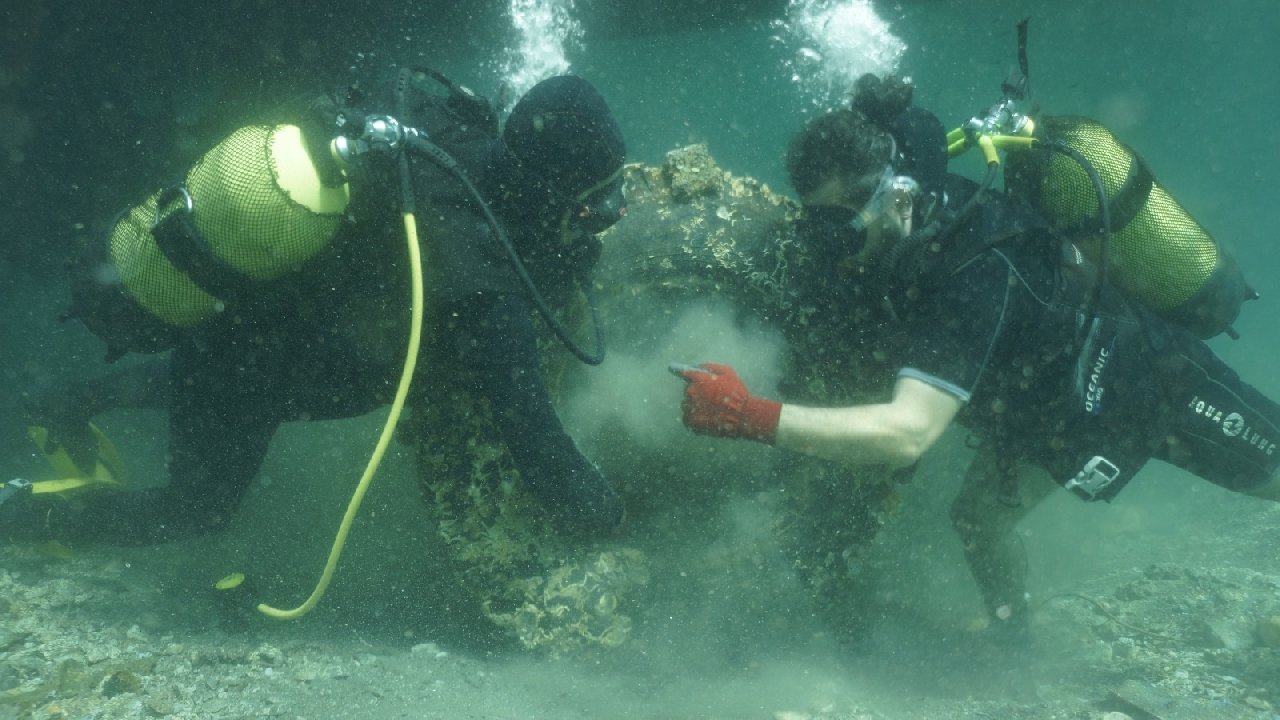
{"type": "Point", "coordinates": [717, 403]}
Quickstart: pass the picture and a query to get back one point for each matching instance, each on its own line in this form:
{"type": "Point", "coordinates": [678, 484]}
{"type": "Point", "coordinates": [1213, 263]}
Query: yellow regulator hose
{"type": "Point", "coordinates": [388, 430]}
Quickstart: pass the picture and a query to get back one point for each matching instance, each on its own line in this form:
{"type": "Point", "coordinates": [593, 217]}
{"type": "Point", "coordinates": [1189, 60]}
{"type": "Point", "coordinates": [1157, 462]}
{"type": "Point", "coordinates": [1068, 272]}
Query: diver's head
{"type": "Point", "coordinates": [869, 173]}
{"type": "Point", "coordinates": [561, 156]}
{"type": "Point", "coordinates": [845, 169]}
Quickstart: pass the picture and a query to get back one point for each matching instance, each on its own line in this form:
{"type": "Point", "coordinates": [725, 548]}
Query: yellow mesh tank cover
{"type": "Point", "coordinates": [148, 276]}
{"type": "Point", "coordinates": [258, 203]}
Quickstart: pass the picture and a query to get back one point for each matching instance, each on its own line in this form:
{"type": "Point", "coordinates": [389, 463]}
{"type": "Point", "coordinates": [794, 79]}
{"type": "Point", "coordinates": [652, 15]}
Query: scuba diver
{"type": "Point", "coordinates": [976, 310]}
{"type": "Point", "coordinates": [507, 217]}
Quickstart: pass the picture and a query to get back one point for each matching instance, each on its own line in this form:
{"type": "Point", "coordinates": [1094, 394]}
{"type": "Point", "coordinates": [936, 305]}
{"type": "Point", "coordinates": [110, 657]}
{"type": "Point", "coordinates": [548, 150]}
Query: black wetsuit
{"type": "Point", "coordinates": [1002, 328]}
{"type": "Point", "coordinates": [327, 342]}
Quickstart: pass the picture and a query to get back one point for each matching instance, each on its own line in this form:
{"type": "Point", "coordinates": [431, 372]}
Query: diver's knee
{"type": "Point", "coordinates": [1267, 490]}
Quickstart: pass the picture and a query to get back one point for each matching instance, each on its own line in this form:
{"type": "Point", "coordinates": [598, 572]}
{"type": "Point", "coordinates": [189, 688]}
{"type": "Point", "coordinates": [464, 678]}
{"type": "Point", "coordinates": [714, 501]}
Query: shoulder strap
{"type": "Point", "coordinates": [1125, 206]}
{"type": "Point", "coordinates": [185, 247]}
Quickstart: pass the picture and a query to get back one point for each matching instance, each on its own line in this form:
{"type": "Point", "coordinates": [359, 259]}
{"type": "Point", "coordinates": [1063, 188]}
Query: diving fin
{"type": "Point", "coordinates": [107, 471]}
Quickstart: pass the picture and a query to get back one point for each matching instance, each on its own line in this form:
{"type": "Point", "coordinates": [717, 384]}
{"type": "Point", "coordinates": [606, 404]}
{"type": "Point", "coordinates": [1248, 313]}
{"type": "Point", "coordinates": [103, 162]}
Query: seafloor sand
{"type": "Point", "coordinates": [108, 634]}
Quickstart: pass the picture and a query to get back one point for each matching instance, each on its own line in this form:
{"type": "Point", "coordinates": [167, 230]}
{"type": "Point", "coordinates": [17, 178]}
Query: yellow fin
{"type": "Point", "coordinates": [108, 469]}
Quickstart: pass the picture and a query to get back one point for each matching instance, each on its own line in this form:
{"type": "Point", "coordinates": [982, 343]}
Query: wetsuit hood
{"type": "Point", "coordinates": [922, 146]}
{"type": "Point", "coordinates": [563, 131]}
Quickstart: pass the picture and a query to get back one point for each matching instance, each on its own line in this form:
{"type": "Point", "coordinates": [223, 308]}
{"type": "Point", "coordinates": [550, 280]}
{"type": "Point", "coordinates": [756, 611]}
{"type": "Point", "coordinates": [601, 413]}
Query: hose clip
{"type": "Point", "coordinates": [168, 196]}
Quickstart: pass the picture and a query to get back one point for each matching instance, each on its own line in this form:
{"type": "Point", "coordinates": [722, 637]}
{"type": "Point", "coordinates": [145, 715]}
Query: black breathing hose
{"type": "Point", "coordinates": [936, 231]}
{"type": "Point", "coordinates": [899, 250]}
{"type": "Point", "coordinates": [441, 158]}
{"type": "Point", "coordinates": [1104, 221]}
{"type": "Point", "coordinates": [445, 161]}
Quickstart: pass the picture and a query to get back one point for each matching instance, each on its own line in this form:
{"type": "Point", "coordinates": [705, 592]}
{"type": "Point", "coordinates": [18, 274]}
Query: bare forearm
{"type": "Point", "coordinates": [858, 435]}
{"type": "Point", "coordinates": [895, 433]}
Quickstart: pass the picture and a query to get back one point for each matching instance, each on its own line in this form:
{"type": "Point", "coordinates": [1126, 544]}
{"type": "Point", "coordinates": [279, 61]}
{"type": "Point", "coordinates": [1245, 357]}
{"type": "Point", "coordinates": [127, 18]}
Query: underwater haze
{"type": "Point", "coordinates": [102, 102]}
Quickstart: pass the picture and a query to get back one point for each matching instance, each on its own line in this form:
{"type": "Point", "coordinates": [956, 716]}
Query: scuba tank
{"type": "Point", "coordinates": [256, 200]}
{"type": "Point", "coordinates": [1099, 195]}
{"type": "Point", "coordinates": [251, 209]}
{"type": "Point", "coordinates": [1159, 256]}
{"type": "Point", "coordinates": [264, 201]}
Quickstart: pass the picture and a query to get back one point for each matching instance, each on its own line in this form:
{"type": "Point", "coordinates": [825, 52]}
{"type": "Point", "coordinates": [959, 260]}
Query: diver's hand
{"type": "Point", "coordinates": [717, 403]}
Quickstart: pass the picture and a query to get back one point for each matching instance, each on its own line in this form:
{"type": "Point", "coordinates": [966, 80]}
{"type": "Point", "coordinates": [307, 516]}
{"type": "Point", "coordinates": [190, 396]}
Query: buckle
{"type": "Point", "coordinates": [15, 486]}
{"type": "Point", "coordinates": [168, 196]}
{"type": "Point", "coordinates": [1096, 476]}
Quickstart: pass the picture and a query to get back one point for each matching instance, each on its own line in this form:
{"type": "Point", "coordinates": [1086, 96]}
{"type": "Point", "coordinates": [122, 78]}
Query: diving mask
{"type": "Point", "coordinates": [591, 211]}
{"type": "Point", "coordinates": [892, 193]}
{"type": "Point", "coordinates": [600, 207]}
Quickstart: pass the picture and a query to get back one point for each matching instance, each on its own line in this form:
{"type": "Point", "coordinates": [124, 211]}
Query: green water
{"type": "Point", "coordinates": [104, 100]}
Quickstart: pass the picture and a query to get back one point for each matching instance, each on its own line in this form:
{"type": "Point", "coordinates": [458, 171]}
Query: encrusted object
{"type": "Point", "coordinates": [691, 173]}
{"type": "Point", "coordinates": [693, 233]}
{"type": "Point", "coordinates": [576, 604]}
{"type": "Point", "coordinates": [738, 245]}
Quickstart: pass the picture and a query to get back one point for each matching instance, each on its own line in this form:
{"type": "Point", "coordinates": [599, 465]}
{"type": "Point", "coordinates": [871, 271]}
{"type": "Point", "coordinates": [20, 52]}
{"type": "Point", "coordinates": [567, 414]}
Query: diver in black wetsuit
{"type": "Point", "coordinates": [325, 342]}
